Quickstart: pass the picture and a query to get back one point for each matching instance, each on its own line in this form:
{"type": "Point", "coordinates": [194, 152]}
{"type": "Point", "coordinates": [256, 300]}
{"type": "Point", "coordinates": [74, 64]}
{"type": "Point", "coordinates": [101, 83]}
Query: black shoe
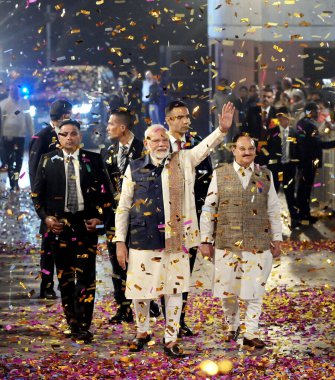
{"type": "Point", "coordinates": [48, 294]}
{"type": "Point", "coordinates": [123, 314]}
{"type": "Point", "coordinates": [155, 311]}
{"type": "Point", "coordinates": [138, 344]}
{"type": "Point", "coordinates": [174, 351]}
{"type": "Point", "coordinates": [184, 330]}
{"type": "Point", "coordinates": [312, 219]}
{"type": "Point", "coordinates": [309, 218]}
{"type": "Point", "coordinates": [295, 223]}
{"type": "Point", "coordinates": [72, 331]}
{"type": "Point", "coordinates": [83, 336]}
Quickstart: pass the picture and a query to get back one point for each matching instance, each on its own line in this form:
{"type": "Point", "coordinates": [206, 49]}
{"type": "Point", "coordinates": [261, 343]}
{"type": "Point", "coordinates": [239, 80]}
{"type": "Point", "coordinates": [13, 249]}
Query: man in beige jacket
{"type": "Point", "coordinates": [241, 216]}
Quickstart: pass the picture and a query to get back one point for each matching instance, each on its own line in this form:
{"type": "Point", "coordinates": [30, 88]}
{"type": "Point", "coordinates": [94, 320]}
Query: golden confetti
{"type": "Point", "coordinates": [279, 49]}
{"type": "Point", "coordinates": [155, 13]}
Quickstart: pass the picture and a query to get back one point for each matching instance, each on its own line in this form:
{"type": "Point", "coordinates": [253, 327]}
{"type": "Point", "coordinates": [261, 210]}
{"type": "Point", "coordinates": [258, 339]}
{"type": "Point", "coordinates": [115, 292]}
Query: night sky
{"type": "Point", "coordinates": [85, 32]}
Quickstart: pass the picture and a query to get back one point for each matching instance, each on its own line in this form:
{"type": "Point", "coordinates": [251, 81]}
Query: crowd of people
{"type": "Point", "coordinates": [161, 200]}
{"type": "Point", "coordinates": [294, 130]}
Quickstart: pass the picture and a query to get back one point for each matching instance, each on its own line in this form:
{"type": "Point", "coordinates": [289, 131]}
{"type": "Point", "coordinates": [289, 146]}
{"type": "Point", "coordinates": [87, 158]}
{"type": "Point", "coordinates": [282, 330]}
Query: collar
{"type": "Point", "coordinates": [149, 160]}
{"type": "Point", "coordinates": [284, 130]}
{"type": "Point", "coordinates": [250, 168]}
{"type": "Point", "coordinates": [173, 139]}
{"type": "Point", "coordinates": [267, 109]}
{"type": "Point", "coordinates": [129, 142]}
{"type": "Point", "coordinates": [75, 155]}
{"type": "Point", "coordinates": [54, 127]}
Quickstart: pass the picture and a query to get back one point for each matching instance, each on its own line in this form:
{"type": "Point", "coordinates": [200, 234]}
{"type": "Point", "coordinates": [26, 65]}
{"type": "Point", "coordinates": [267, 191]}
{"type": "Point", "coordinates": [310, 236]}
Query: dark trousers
{"type": "Point", "coordinates": [288, 182]}
{"type": "Point", "coordinates": [47, 264]}
{"type": "Point", "coordinates": [193, 254]}
{"type": "Point", "coordinates": [2, 153]}
{"type": "Point", "coordinates": [119, 277]}
{"type": "Point", "coordinates": [306, 176]}
{"type": "Point", "coordinates": [74, 251]}
{"type": "Point", "coordinates": [13, 149]}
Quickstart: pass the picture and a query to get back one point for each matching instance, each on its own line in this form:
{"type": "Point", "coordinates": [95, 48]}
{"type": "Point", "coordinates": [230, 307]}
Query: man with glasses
{"type": "Point", "coordinates": [178, 119]}
{"type": "Point", "coordinates": [241, 216]}
{"type": "Point", "coordinates": [124, 149]}
{"type": "Point", "coordinates": [157, 206]}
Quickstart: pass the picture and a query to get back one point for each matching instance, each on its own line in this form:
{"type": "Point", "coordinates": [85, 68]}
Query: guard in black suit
{"type": "Point", "coordinates": [280, 155]}
{"type": "Point", "coordinates": [71, 197]}
{"type": "Point", "coordinates": [178, 119]}
{"type": "Point", "coordinates": [259, 117]}
{"type": "Point", "coordinates": [45, 141]}
{"type": "Point", "coordinates": [125, 148]}
{"type": "Point", "coordinates": [310, 154]}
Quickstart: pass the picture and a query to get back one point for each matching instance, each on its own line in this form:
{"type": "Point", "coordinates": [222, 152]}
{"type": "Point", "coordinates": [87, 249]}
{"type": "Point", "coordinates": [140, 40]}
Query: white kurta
{"type": "Point", "coordinates": [240, 273]}
{"type": "Point", "coordinates": [148, 277]}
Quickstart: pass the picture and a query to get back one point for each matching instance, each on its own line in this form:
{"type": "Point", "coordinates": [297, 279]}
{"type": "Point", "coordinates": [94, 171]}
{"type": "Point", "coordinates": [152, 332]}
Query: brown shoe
{"type": "Point", "coordinates": [256, 342]}
{"type": "Point", "coordinates": [232, 335]}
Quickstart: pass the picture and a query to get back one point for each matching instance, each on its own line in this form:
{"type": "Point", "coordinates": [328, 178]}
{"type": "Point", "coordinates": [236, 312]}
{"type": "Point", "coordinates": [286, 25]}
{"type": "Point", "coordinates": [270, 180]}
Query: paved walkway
{"type": "Point", "coordinates": [298, 319]}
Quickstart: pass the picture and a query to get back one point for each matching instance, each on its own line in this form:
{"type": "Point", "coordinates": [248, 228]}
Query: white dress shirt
{"type": "Point", "coordinates": [211, 202]}
{"type": "Point", "coordinates": [174, 144]}
{"type": "Point", "coordinates": [284, 135]}
{"type": "Point", "coordinates": [80, 197]}
{"type": "Point", "coordinates": [128, 145]}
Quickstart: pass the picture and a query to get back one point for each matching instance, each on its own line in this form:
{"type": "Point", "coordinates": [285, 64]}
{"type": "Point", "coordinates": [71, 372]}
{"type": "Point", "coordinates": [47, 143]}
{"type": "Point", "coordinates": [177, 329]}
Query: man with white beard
{"type": "Point", "coordinates": [157, 205]}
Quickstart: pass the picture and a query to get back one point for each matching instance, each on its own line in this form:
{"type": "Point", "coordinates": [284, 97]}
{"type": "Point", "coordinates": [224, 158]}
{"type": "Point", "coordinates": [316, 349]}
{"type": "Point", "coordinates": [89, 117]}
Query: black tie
{"type": "Point", "coordinates": [72, 197]}
{"type": "Point", "coordinates": [284, 158]}
{"type": "Point", "coordinates": [123, 159]}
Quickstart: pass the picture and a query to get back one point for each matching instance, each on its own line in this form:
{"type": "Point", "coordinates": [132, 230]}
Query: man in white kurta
{"type": "Point", "coordinates": [241, 217]}
{"type": "Point", "coordinates": [158, 262]}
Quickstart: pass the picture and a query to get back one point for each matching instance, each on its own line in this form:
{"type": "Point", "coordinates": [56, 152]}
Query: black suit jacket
{"type": "Point", "coordinates": [309, 143]}
{"type": "Point", "coordinates": [44, 141]}
{"type": "Point", "coordinates": [254, 125]}
{"type": "Point", "coordinates": [109, 156]}
{"type": "Point", "coordinates": [50, 185]}
{"type": "Point", "coordinates": [271, 153]}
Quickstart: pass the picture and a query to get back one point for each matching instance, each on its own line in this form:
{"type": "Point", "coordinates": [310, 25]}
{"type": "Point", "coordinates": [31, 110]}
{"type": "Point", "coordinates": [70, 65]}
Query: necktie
{"type": "Point", "coordinates": [178, 142]}
{"type": "Point", "coordinates": [284, 157]}
{"type": "Point", "coordinates": [264, 117]}
{"type": "Point", "coordinates": [72, 198]}
{"type": "Point", "coordinates": [123, 158]}
{"type": "Point", "coordinates": [241, 170]}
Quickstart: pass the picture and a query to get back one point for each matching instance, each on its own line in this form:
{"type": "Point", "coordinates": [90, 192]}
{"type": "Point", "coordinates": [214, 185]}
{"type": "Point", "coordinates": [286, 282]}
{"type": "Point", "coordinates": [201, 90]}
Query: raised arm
{"type": "Point", "coordinates": [202, 150]}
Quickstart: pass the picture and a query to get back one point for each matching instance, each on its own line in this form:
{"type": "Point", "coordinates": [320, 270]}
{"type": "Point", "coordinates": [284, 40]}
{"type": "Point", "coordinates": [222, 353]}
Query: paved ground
{"type": "Point", "coordinates": [298, 319]}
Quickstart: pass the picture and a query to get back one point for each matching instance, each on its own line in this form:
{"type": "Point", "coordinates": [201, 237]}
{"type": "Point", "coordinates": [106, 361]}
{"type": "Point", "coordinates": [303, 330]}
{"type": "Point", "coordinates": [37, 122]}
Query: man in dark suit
{"type": "Point", "coordinates": [45, 141]}
{"type": "Point", "coordinates": [125, 148]}
{"type": "Point", "coordinates": [259, 117]}
{"type": "Point", "coordinates": [280, 154]}
{"type": "Point", "coordinates": [310, 153]}
{"type": "Point", "coordinates": [71, 197]}
{"type": "Point", "coordinates": [178, 119]}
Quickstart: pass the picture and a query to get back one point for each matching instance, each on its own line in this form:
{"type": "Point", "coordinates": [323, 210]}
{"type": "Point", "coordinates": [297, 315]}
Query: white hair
{"type": "Point", "coordinates": [153, 128]}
